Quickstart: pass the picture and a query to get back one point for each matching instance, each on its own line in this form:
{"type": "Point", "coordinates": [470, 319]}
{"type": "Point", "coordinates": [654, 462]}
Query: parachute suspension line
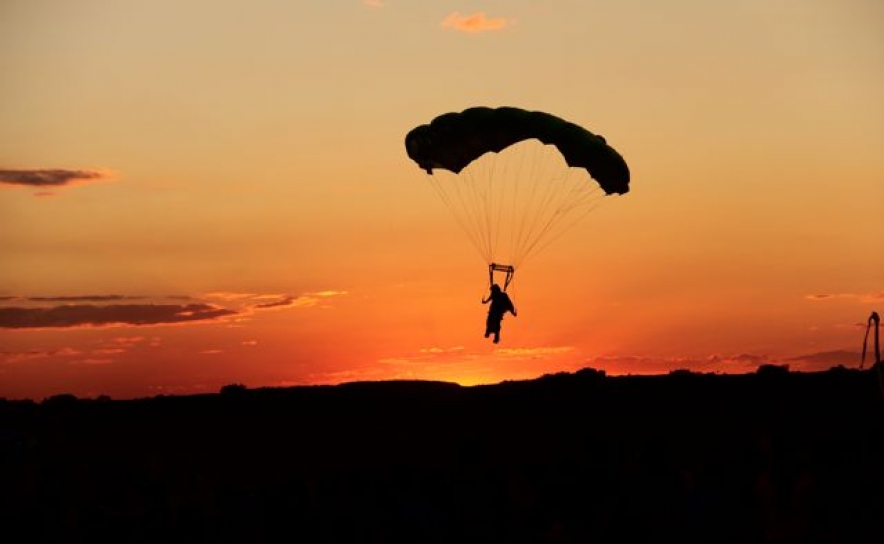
{"type": "Point", "coordinates": [544, 213]}
{"type": "Point", "coordinates": [531, 176]}
{"type": "Point", "coordinates": [488, 193]}
{"type": "Point", "coordinates": [539, 194]}
{"type": "Point", "coordinates": [461, 213]}
{"type": "Point", "coordinates": [477, 204]}
{"type": "Point", "coordinates": [591, 201]}
{"type": "Point", "coordinates": [514, 203]}
{"type": "Point", "coordinates": [549, 200]}
{"type": "Point", "coordinates": [509, 174]}
{"type": "Point", "coordinates": [471, 200]}
{"type": "Point", "coordinates": [491, 227]}
{"type": "Point", "coordinates": [469, 143]}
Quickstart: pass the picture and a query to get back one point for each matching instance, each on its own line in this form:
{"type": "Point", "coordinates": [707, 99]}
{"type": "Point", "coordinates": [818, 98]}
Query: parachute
{"type": "Point", "coordinates": [515, 179]}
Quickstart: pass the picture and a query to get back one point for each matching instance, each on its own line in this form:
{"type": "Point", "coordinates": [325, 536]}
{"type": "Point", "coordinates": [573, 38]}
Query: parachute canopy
{"type": "Point", "coordinates": [515, 179]}
{"type": "Point", "coordinates": [453, 140]}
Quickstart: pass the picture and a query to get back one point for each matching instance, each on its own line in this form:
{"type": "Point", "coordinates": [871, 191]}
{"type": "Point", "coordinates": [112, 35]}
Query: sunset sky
{"type": "Point", "coordinates": [205, 192]}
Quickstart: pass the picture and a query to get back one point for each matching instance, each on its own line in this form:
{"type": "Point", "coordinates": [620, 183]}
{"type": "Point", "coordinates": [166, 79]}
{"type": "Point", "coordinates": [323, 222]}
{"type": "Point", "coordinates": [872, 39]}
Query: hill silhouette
{"type": "Point", "coordinates": [774, 456]}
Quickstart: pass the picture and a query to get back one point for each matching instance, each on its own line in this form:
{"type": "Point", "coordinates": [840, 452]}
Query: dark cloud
{"type": "Point", "coordinates": [287, 301]}
{"type": "Point", "coordinates": [83, 298]}
{"type": "Point", "coordinates": [56, 177]}
{"type": "Point", "coordinates": [107, 310]}
{"type": "Point", "coordinates": [78, 315]}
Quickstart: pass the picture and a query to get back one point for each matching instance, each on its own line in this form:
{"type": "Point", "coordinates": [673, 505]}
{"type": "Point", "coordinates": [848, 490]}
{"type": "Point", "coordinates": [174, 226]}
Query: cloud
{"type": "Point", "coordinates": [458, 354]}
{"type": "Point", "coordinates": [477, 22]}
{"type": "Point", "coordinates": [91, 315]}
{"type": "Point", "coordinates": [824, 360]}
{"type": "Point", "coordinates": [254, 301]}
{"type": "Point", "coordinates": [434, 354]}
{"type": "Point", "coordinates": [281, 303]}
{"type": "Point", "coordinates": [861, 297]}
{"type": "Point", "coordinates": [104, 353]}
{"type": "Point", "coordinates": [641, 364]}
{"type": "Point", "coordinates": [373, 3]}
{"type": "Point", "coordinates": [442, 351]}
{"type": "Point", "coordinates": [93, 361]}
{"type": "Point", "coordinates": [9, 357]}
{"type": "Point", "coordinates": [83, 298]}
{"type": "Point", "coordinates": [229, 296]}
{"type": "Point", "coordinates": [127, 340]}
{"type": "Point", "coordinates": [533, 353]}
{"type": "Point", "coordinates": [55, 177]}
{"type": "Point", "coordinates": [740, 363]}
{"type": "Point", "coordinates": [316, 298]}
{"type": "Point", "coordinates": [17, 312]}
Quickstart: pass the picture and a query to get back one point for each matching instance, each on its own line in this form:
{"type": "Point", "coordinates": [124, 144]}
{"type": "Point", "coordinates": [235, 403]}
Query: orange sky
{"type": "Point", "coordinates": [211, 192]}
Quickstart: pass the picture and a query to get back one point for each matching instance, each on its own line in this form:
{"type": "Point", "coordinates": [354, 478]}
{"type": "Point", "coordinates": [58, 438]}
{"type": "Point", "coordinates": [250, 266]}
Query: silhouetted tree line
{"type": "Point", "coordinates": [774, 456]}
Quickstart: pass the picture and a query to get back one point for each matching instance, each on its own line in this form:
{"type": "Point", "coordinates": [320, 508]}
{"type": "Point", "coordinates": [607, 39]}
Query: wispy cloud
{"type": "Point", "coordinates": [317, 298]}
{"type": "Point", "coordinates": [432, 354]}
{"type": "Point", "coordinates": [643, 364]}
{"type": "Point", "coordinates": [93, 361]}
{"type": "Point", "coordinates": [279, 303]}
{"type": "Point", "coordinates": [104, 352]}
{"type": "Point", "coordinates": [823, 360]}
{"type": "Point", "coordinates": [375, 4]}
{"type": "Point", "coordinates": [739, 363]}
{"type": "Point", "coordinates": [10, 357]}
{"type": "Point", "coordinates": [476, 22]}
{"type": "Point", "coordinates": [52, 177]}
{"type": "Point", "coordinates": [456, 354]}
{"type": "Point", "coordinates": [533, 353]}
{"type": "Point", "coordinates": [861, 297]}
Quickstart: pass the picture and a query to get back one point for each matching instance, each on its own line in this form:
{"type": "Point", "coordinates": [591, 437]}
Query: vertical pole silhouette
{"type": "Point", "coordinates": [874, 321]}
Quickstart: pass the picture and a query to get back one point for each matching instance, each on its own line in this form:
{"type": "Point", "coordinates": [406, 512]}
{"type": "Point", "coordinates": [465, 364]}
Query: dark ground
{"type": "Point", "coordinates": [767, 457]}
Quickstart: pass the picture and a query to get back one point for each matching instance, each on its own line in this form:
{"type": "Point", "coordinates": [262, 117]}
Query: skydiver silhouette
{"type": "Point", "coordinates": [500, 305]}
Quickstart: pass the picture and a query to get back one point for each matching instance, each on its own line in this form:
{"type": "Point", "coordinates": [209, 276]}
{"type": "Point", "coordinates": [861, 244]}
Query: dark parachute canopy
{"type": "Point", "coordinates": [452, 141]}
{"type": "Point", "coordinates": [515, 179]}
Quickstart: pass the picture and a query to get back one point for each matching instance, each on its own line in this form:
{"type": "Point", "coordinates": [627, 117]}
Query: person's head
{"type": "Point", "coordinates": [495, 288]}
